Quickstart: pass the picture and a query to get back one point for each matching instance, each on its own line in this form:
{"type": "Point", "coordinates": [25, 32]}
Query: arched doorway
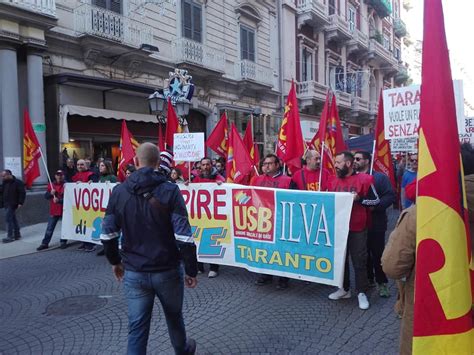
{"type": "Point", "coordinates": [196, 121]}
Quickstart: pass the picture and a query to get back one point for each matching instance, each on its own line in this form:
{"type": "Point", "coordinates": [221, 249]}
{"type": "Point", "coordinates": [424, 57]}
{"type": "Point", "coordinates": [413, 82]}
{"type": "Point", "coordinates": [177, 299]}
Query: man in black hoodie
{"type": "Point", "coordinates": [156, 236]}
{"type": "Point", "coordinates": [13, 196]}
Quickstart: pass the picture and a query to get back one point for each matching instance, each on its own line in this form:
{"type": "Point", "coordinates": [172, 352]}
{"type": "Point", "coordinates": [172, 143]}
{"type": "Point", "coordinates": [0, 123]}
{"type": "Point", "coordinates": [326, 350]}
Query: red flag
{"type": "Point", "coordinates": [172, 127]}
{"type": "Point", "coordinates": [290, 145]}
{"type": "Point", "coordinates": [218, 139]}
{"type": "Point", "coordinates": [239, 163]}
{"type": "Point", "coordinates": [443, 300]}
{"type": "Point", "coordinates": [250, 145]}
{"type": "Point", "coordinates": [31, 151]}
{"type": "Point", "coordinates": [128, 145]}
{"type": "Point", "coordinates": [383, 155]}
{"type": "Point", "coordinates": [161, 141]}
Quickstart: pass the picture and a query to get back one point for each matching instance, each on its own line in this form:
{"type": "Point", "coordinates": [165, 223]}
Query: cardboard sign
{"type": "Point", "coordinates": [188, 146]}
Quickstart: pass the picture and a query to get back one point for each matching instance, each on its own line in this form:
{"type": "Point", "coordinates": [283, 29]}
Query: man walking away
{"type": "Point", "coordinates": [13, 192]}
{"type": "Point", "coordinates": [152, 250]}
{"type": "Point", "coordinates": [378, 222]}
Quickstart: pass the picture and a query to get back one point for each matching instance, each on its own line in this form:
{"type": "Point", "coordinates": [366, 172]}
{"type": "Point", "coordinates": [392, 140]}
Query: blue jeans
{"type": "Point", "coordinates": [52, 221]}
{"type": "Point", "coordinates": [140, 291]}
{"type": "Point", "coordinates": [12, 224]}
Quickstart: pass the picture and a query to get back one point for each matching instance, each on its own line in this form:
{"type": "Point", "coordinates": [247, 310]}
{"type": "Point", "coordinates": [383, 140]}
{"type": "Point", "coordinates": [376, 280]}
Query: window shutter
{"type": "Point", "coordinates": [251, 41]}
{"type": "Point", "coordinates": [187, 20]}
{"type": "Point", "coordinates": [116, 6]}
{"type": "Point", "coordinates": [197, 22]}
{"type": "Point", "coordinates": [244, 43]}
{"type": "Point", "coordinates": [100, 3]}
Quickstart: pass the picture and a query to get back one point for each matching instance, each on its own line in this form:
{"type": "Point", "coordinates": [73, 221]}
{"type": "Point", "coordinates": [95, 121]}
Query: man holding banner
{"type": "Point", "coordinates": [150, 260]}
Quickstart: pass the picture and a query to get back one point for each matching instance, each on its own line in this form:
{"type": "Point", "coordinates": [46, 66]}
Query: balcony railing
{"type": "Point", "coordinates": [359, 104]}
{"type": "Point", "coordinates": [399, 28]}
{"type": "Point", "coordinates": [45, 7]}
{"type": "Point", "coordinates": [311, 89]}
{"type": "Point", "coordinates": [189, 51]}
{"type": "Point", "coordinates": [384, 54]}
{"type": "Point", "coordinates": [382, 7]}
{"type": "Point", "coordinates": [248, 70]}
{"type": "Point", "coordinates": [316, 6]}
{"type": "Point", "coordinates": [338, 28]}
{"type": "Point", "coordinates": [96, 21]}
{"type": "Point", "coordinates": [343, 98]}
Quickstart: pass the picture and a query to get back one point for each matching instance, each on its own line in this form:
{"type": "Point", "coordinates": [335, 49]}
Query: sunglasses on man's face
{"type": "Point", "coordinates": [414, 160]}
{"type": "Point", "coordinates": [358, 159]}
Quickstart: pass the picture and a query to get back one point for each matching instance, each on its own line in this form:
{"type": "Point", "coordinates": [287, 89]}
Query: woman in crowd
{"type": "Point", "coordinates": [106, 171]}
{"type": "Point", "coordinates": [176, 176]}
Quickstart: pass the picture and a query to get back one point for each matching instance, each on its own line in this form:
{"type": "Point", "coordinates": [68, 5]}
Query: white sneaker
{"type": "Point", "coordinates": [212, 274]}
{"type": "Point", "coordinates": [363, 301]}
{"type": "Point", "coordinates": [340, 294]}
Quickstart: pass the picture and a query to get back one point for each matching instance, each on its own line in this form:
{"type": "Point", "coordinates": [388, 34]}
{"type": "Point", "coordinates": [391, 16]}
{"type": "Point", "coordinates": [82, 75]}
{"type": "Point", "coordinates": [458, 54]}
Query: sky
{"type": "Point", "coordinates": [460, 35]}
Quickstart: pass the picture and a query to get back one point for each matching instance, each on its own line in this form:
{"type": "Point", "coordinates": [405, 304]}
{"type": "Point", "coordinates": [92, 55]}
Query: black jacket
{"type": "Point", "coordinates": [155, 227]}
{"type": "Point", "coordinates": [387, 197]}
{"type": "Point", "coordinates": [13, 193]}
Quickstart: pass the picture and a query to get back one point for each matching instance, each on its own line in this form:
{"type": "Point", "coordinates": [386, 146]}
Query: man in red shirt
{"type": "Point", "coordinates": [308, 177]}
{"type": "Point", "coordinates": [208, 174]}
{"type": "Point", "coordinates": [362, 188]}
{"type": "Point", "coordinates": [272, 177]}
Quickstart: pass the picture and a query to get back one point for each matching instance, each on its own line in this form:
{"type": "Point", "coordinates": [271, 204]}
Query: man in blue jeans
{"type": "Point", "coordinates": [151, 214]}
{"type": "Point", "coordinates": [13, 197]}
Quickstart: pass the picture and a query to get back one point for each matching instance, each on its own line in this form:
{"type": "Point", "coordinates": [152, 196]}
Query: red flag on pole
{"type": "Point", "coordinates": [218, 139]}
{"type": "Point", "coordinates": [250, 145]}
{"type": "Point", "coordinates": [239, 163]}
{"type": "Point", "coordinates": [290, 145]}
{"type": "Point", "coordinates": [172, 127]}
{"type": "Point", "coordinates": [383, 155]}
{"type": "Point", "coordinates": [443, 316]}
{"type": "Point", "coordinates": [31, 151]}
{"type": "Point", "coordinates": [128, 145]}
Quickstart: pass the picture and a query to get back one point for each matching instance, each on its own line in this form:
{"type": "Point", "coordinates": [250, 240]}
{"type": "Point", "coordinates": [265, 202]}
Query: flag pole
{"type": "Point", "coordinates": [373, 157]}
{"type": "Point", "coordinates": [321, 166]}
{"type": "Point", "coordinates": [45, 167]}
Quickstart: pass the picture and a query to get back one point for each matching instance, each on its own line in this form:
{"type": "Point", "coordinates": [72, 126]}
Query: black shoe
{"type": "Point", "coordinates": [63, 245]}
{"type": "Point", "coordinates": [42, 247]}
{"type": "Point", "coordinates": [100, 252]}
{"type": "Point", "coordinates": [282, 285]}
{"type": "Point", "coordinates": [82, 247]}
{"type": "Point", "coordinates": [17, 237]}
{"type": "Point", "coordinates": [263, 280]}
{"type": "Point", "coordinates": [8, 240]}
{"type": "Point", "coordinates": [191, 346]}
{"type": "Point", "coordinates": [90, 249]}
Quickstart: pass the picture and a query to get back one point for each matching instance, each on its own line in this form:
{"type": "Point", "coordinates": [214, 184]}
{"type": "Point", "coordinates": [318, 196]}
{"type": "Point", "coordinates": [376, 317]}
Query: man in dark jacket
{"type": "Point", "coordinates": [156, 235]}
{"type": "Point", "coordinates": [378, 225]}
{"type": "Point", "coordinates": [13, 192]}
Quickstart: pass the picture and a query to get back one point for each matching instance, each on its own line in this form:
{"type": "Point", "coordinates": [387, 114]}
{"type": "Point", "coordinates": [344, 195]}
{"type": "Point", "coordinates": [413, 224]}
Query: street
{"type": "Point", "coordinates": [67, 302]}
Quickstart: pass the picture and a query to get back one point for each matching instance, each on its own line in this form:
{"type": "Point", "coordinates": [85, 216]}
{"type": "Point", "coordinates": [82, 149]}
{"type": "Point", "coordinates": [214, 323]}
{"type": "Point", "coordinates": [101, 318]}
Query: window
{"type": "Point", "coordinates": [351, 17]}
{"type": "Point", "coordinates": [332, 7]}
{"type": "Point", "coordinates": [306, 65]}
{"type": "Point", "coordinates": [112, 5]}
{"type": "Point", "coordinates": [247, 43]}
{"type": "Point", "coordinates": [192, 20]}
{"type": "Point", "coordinates": [386, 42]}
{"type": "Point", "coordinates": [397, 53]}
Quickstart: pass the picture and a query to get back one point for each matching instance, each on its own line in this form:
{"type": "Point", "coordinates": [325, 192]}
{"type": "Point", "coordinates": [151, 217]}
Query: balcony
{"type": "Point", "coordinates": [313, 13]}
{"type": "Point", "coordinates": [310, 92]}
{"type": "Point", "coordinates": [44, 7]}
{"type": "Point", "coordinates": [254, 73]}
{"type": "Point", "coordinates": [100, 23]}
{"type": "Point", "coordinates": [338, 29]}
{"type": "Point", "coordinates": [343, 100]}
{"type": "Point", "coordinates": [402, 76]}
{"type": "Point", "coordinates": [382, 7]}
{"type": "Point", "coordinates": [399, 28]}
{"type": "Point", "coordinates": [359, 42]}
{"type": "Point", "coordinates": [190, 52]}
{"type": "Point", "coordinates": [382, 57]}
{"type": "Point", "coordinates": [359, 105]}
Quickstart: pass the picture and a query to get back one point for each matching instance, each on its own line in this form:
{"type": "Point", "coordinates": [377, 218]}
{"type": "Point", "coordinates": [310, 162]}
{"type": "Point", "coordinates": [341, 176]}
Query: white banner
{"type": "Point", "coordinates": [297, 234]}
{"type": "Point", "coordinates": [409, 145]}
{"type": "Point", "coordinates": [468, 135]}
{"type": "Point", "coordinates": [188, 146]}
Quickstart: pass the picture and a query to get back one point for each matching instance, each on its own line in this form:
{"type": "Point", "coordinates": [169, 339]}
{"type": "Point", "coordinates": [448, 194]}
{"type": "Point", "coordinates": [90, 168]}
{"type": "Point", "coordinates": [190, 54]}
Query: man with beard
{"type": "Point", "coordinates": [308, 178]}
{"type": "Point", "coordinates": [378, 225]}
{"type": "Point", "coordinates": [208, 174]}
{"type": "Point", "coordinates": [363, 190]}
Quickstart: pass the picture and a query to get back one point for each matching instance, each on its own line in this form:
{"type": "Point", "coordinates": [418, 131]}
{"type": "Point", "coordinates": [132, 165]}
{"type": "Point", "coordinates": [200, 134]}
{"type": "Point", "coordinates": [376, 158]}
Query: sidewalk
{"type": "Point", "coordinates": [31, 237]}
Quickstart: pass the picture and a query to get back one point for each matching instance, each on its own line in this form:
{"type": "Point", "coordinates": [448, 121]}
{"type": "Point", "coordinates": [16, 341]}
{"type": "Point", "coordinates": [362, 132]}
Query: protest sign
{"type": "Point", "coordinates": [468, 135]}
{"type": "Point", "coordinates": [188, 146]}
{"type": "Point", "coordinates": [297, 234]}
{"type": "Point", "coordinates": [404, 145]}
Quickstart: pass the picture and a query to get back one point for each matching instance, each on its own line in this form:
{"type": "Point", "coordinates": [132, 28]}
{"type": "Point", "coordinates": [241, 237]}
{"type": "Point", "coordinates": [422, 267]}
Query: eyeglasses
{"type": "Point", "coordinates": [414, 160]}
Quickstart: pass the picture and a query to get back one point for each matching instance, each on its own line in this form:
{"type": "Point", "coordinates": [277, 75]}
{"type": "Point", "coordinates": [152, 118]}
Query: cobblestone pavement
{"type": "Point", "coordinates": [67, 302]}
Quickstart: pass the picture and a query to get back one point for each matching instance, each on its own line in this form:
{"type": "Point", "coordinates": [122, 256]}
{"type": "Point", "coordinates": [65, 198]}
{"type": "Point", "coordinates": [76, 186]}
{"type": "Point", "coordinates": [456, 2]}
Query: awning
{"type": "Point", "coordinates": [65, 110]}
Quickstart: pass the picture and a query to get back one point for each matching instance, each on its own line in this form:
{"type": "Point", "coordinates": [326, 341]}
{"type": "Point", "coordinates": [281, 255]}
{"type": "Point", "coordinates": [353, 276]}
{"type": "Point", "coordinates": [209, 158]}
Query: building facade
{"type": "Point", "coordinates": [81, 66]}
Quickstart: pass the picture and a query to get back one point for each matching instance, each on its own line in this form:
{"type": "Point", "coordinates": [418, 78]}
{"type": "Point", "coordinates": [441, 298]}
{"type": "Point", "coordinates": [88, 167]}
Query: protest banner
{"type": "Point", "coordinates": [188, 146]}
{"type": "Point", "coordinates": [400, 145]}
{"type": "Point", "coordinates": [468, 135]}
{"type": "Point", "coordinates": [297, 234]}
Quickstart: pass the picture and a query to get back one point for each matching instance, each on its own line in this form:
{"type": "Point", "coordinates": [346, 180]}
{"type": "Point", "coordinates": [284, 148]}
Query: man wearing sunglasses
{"type": "Point", "coordinates": [378, 225]}
{"type": "Point", "coordinates": [409, 176]}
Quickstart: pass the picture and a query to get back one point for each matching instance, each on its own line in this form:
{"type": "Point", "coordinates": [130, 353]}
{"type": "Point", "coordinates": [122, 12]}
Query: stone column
{"type": "Point", "coordinates": [11, 124]}
{"type": "Point", "coordinates": [36, 106]}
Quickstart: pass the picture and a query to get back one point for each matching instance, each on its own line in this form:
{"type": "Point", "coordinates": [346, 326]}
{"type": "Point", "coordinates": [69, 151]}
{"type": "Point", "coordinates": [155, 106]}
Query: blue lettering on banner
{"type": "Point", "coordinates": [210, 242]}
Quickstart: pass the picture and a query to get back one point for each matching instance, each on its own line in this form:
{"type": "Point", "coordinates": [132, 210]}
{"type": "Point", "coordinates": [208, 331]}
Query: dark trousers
{"type": "Point", "coordinates": [357, 250]}
{"type": "Point", "coordinates": [52, 221]}
{"type": "Point", "coordinates": [12, 224]}
{"type": "Point", "coordinates": [212, 267]}
{"type": "Point", "coordinates": [375, 248]}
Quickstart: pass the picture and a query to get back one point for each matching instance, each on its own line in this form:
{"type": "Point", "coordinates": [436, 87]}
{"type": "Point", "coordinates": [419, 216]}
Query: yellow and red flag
{"type": "Point", "coordinates": [383, 155]}
{"type": "Point", "coordinates": [218, 139]}
{"type": "Point", "coordinates": [128, 145]}
{"type": "Point", "coordinates": [443, 316]}
{"type": "Point", "coordinates": [239, 164]}
{"type": "Point", "coordinates": [290, 144]}
{"type": "Point", "coordinates": [172, 127]}
{"type": "Point", "coordinates": [31, 151]}
{"type": "Point", "coordinates": [250, 145]}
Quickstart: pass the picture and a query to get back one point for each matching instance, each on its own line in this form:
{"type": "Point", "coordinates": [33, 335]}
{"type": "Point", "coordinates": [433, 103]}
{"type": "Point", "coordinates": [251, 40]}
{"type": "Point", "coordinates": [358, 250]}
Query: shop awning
{"type": "Point", "coordinates": [65, 110]}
